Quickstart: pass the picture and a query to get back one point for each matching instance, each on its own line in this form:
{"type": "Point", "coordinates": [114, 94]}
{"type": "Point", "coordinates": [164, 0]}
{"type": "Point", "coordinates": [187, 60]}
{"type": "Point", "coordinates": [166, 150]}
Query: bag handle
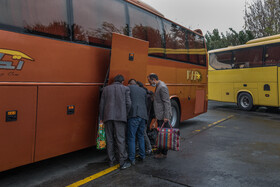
{"type": "Point", "coordinates": [164, 124]}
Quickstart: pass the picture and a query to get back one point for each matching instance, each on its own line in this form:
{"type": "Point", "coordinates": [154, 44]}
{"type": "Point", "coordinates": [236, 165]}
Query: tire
{"type": "Point", "coordinates": [245, 101]}
{"type": "Point", "coordinates": [175, 119]}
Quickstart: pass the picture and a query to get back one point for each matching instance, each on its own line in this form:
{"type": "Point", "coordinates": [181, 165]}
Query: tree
{"type": "Point", "coordinates": [262, 17]}
{"type": "Point", "coordinates": [215, 40]}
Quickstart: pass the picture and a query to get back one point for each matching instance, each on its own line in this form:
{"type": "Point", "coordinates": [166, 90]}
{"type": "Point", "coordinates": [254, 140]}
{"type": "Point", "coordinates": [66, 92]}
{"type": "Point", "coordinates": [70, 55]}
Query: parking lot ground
{"type": "Point", "coordinates": [223, 147]}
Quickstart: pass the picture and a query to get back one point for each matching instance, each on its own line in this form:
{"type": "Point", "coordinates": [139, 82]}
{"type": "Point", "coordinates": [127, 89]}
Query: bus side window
{"type": "Point", "coordinates": [175, 39]}
{"type": "Point", "coordinates": [221, 60]}
{"type": "Point", "coordinates": [196, 44]}
{"type": "Point", "coordinates": [34, 16]}
{"type": "Point", "coordinates": [201, 45]}
{"type": "Point", "coordinates": [95, 20]}
{"type": "Point", "coordinates": [272, 55]}
{"type": "Point", "coordinates": [146, 26]}
{"type": "Point", "coordinates": [249, 57]}
{"type": "Point", "coordinates": [184, 45]}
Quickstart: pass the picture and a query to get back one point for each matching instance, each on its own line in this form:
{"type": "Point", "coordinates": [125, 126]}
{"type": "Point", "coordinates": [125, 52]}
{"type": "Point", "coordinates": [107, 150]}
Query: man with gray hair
{"type": "Point", "coordinates": [162, 106]}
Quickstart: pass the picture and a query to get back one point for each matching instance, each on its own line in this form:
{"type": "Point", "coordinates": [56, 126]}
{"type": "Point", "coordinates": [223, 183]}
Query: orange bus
{"type": "Point", "coordinates": [55, 56]}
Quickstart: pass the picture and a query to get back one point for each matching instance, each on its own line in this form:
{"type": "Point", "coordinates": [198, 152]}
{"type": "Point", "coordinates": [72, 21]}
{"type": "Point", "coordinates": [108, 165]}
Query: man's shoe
{"type": "Point", "coordinates": [140, 159]}
{"type": "Point", "coordinates": [159, 156]}
{"type": "Point", "coordinates": [149, 152]}
{"type": "Point", "coordinates": [112, 163]}
{"type": "Point", "coordinates": [126, 165]}
{"type": "Point", "coordinates": [133, 162]}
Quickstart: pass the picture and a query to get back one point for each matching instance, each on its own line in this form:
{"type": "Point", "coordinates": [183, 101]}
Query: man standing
{"type": "Point", "coordinates": [149, 103]}
{"type": "Point", "coordinates": [137, 118]}
{"type": "Point", "coordinates": [114, 107]}
{"type": "Point", "coordinates": [162, 106]}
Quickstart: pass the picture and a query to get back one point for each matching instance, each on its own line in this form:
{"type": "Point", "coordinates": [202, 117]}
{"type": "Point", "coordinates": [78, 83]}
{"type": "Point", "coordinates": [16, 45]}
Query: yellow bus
{"type": "Point", "coordinates": [248, 74]}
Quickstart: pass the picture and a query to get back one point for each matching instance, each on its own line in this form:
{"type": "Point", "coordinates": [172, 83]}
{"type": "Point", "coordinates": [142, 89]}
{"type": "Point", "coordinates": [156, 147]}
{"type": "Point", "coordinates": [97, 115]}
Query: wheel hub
{"type": "Point", "coordinates": [245, 102]}
{"type": "Point", "coordinates": [174, 116]}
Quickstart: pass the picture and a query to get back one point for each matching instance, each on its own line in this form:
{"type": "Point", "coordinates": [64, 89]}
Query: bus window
{"type": "Point", "coordinates": [221, 60]}
{"type": "Point", "coordinates": [35, 16]}
{"type": "Point", "coordinates": [202, 60]}
{"type": "Point", "coordinates": [196, 45]}
{"type": "Point", "coordinates": [272, 56]}
{"type": "Point", "coordinates": [195, 41]}
{"type": "Point", "coordinates": [146, 26]}
{"type": "Point", "coordinates": [175, 38]}
{"type": "Point", "coordinates": [95, 20]}
{"type": "Point", "coordinates": [249, 57]}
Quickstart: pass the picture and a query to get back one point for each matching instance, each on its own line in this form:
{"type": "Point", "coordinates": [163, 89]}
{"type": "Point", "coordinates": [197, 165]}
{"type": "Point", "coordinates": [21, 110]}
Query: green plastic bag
{"type": "Point", "coordinates": [101, 138]}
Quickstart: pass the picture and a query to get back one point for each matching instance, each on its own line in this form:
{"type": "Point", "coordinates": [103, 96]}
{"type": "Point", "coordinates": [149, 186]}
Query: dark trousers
{"type": "Point", "coordinates": [147, 140]}
{"type": "Point", "coordinates": [115, 134]}
{"type": "Point", "coordinates": [166, 125]}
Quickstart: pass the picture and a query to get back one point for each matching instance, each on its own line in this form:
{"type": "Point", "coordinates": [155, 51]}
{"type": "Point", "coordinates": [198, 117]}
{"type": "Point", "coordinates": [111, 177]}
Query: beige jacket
{"type": "Point", "coordinates": [162, 105]}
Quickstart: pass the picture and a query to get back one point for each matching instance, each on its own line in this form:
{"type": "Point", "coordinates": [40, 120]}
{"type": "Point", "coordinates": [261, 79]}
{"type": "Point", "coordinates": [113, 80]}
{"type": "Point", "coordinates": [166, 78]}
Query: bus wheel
{"type": "Point", "coordinates": [245, 101]}
{"type": "Point", "coordinates": [175, 118]}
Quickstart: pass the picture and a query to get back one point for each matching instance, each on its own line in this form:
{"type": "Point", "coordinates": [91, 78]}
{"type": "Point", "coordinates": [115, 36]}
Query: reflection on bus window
{"type": "Point", "coordinates": [95, 20]}
{"type": "Point", "coordinates": [247, 58]}
{"type": "Point", "coordinates": [34, 16]}
{"type": "Point", "coordinates": [196, 43]}
{"type": "Point", "coordinates": [146, 26]}
{"type": "Point", "coordinates": [202, 59]}
{"type": "Point", "coordinates": [175, 38]}
{"type": "Point", "coordinates": [272, 56]}
{"type": "Point", "coordinates": [221, 60]}
{"type": "Point", "coordinates": [184, 45]}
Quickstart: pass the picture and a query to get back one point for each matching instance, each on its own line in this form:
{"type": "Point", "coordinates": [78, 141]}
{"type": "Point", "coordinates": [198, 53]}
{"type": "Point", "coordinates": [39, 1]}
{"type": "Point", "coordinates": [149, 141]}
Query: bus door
{"type": "Point", "coordinates": [129, 58]}
{"type": "Point", "coordinates": [268, 87]}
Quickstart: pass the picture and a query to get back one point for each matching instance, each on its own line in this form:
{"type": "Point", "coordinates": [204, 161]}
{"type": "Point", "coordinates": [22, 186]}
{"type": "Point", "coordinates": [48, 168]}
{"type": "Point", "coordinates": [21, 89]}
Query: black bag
{"type": "Point", "coordinates": [152, 135]}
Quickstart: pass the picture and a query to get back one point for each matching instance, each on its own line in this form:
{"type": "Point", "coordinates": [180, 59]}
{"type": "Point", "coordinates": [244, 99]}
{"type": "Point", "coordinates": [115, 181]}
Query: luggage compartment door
{"type": "Point", "coordinates": [17, 125]}
{"type": "Point", "coordinates": [67, 118]}
{"type": "Point", "coordinates": [199, 101]}
{"type": "Point", "coordinates": [129, 58]}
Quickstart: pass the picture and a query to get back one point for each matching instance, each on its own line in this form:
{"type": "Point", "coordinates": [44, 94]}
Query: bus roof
{"type": "Point", "coordinates": [274, 37]}
{"type": "Point", "coordinates": [145, 6]}
{"type": "Point", "coordinates": [257, 42]}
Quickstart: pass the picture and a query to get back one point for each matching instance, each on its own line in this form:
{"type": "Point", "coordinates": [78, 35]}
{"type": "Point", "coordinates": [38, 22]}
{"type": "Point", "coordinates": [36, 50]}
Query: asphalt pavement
{"type": "Point", "coordinates": [223, 147]}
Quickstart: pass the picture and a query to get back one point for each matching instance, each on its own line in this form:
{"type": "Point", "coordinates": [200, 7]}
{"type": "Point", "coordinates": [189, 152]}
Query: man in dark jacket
{"type": "Point", "coordinates": [114, 107]}
{"type": "Point", "coordinates": [137, 118]}
{"type": "Point", "coordinates": [162, 106]}
{"type": "Point", "coordinates": [149, 103]}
